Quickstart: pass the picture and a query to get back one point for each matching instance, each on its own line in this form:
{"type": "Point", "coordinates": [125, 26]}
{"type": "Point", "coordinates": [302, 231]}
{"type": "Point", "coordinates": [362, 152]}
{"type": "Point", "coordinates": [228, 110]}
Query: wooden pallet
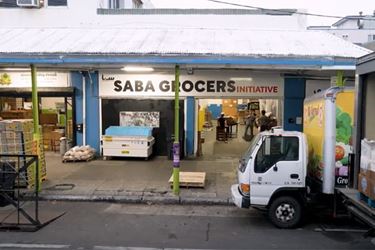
{"type": "Point", "coordinates": [190, 179]}
{"type": "Point", "coordinates": [367, 200]}
{"type": "Point", "coordinates": [76, 160]}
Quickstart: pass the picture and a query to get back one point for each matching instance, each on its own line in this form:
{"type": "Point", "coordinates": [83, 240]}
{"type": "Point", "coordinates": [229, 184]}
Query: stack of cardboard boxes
{"type": "Point", "coordinates": [366, 178]}
{"type": "Point", "coordinates": [16, 114]}
{"type": "Point", "coordinates": [51, 134]}
{"type": "Point", "coordinates": [16, 138]}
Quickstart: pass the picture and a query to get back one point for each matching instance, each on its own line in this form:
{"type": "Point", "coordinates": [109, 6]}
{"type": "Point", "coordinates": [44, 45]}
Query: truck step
{"type": "Point", "coordinates": [366, 199]}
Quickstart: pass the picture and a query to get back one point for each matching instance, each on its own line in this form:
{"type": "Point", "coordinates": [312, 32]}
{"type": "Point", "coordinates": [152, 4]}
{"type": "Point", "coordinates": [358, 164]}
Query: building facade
{"type": "Point", "coordinates": [223, 54]}
{"type": "Point", "coordinates": [356, 29]}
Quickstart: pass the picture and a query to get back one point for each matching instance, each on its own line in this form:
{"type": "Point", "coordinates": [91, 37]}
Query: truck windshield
{"type": "Point", "coordinates": [251, 148]}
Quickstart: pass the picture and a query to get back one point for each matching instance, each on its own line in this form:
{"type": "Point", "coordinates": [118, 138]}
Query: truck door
{"type": "Point", "coordinates": [277, 164]}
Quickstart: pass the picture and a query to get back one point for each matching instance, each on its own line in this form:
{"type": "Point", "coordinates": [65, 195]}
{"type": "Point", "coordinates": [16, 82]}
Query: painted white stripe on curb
{"type": "Point", "coordinates": [141, 248]}
{"type": "Point", "coordinates": [124, 248]}
{"type": "Point", "coordinates": [43, 246]}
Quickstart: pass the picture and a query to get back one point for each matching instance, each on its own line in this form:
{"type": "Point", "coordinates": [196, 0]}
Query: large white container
{"type": "Point", "coordinates": [127, 146]}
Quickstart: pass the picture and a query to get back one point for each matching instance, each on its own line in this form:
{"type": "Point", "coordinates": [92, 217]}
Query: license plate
{"type": "Point", "coordinates": [124, 152]}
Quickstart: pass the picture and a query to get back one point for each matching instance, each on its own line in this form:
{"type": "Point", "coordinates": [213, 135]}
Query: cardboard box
{"type": "Point", "coordinates": [48, 118]}
{"type": "Point", "coordinates": [48, 128]}
{"type": "Point", "coordinates": [372, 190]}
{"type": "Point", "coordinates": [364, 184]}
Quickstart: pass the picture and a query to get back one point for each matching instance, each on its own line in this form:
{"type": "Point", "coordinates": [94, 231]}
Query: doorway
{"type": "Point", "coordinates": [236, 112]}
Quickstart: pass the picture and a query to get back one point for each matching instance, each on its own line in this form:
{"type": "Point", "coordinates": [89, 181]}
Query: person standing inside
{"type": "Point", "coordinates": [222, 123]}
{"type": "Point", "coordinates": [263, 121]}
{"type": "Point", "coordinates": [250, 123]}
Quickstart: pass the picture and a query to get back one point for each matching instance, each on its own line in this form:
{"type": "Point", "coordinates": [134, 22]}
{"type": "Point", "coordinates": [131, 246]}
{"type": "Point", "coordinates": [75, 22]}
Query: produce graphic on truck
{"type": "Point", "coordinates": [318, 124]}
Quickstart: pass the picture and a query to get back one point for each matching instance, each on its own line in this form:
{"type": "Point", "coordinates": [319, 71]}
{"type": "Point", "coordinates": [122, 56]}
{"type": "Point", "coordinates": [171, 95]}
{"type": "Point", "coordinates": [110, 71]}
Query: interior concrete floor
{"type": "Point", "coordinates": [236, 146]}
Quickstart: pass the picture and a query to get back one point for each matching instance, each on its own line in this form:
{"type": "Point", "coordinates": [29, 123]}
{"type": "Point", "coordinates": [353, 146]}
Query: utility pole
{"type": "Point", "coordinates": [176, 143]}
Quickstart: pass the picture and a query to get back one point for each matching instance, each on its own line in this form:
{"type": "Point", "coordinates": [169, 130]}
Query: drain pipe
{"type": "Point", "coordinates": [83, 109]}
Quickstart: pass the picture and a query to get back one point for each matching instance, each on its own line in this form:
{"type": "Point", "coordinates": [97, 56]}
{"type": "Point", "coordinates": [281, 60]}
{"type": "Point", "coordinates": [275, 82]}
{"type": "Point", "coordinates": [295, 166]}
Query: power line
{"type": "Point", "coordinates": [275, 10]}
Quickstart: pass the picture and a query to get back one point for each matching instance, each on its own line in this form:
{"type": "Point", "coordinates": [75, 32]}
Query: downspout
{"type": "Point", "coordinates": [83, 109]}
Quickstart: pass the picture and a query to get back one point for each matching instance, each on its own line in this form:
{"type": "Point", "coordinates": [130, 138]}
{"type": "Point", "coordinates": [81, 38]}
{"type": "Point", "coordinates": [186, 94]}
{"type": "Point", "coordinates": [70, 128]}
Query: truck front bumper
{"type": "Point", "coordinates": [239, 200]}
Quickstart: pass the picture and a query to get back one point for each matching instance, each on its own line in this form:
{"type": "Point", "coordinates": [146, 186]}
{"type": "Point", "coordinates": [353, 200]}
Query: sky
{"type": "Point", "coordinates": [325, 7]}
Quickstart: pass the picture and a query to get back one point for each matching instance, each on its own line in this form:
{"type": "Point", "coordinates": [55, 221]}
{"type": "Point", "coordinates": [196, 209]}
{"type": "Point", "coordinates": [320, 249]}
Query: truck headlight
{"type": "Point", "coordinates": [245, 189]}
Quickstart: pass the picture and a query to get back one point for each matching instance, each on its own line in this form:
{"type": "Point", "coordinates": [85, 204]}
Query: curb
{"type": "Point", "coordinates": [169, 200]}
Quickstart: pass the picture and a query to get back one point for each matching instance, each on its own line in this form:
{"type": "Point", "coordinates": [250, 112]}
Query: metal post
{"type": "Point", "coordinates": [36, 135]}
{"type": "Point", "coordinates": [35, 99]}
{"type": "Point", "coordinates": [66, 117]}
{"type": "Point", "coordinates": [37, 189]}
{"type": "Point", "coordinates": [340, 82]}
{"type": "Point", "coordinates": [176, 143]}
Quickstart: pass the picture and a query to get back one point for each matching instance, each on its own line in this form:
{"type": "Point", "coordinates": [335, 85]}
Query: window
{"type": "Point", "coordinates": [275, 149]}
{"type": "Point", "coordinates": [57, 2]}
{"type": "Point", "coordinates": [137, 4]}
{"type": "Point", "coordinates": [113, 4]}
{"type": "Point", "coordinates": [371, 37]}
{"type": "Point", "coordinates": [8, 4]}
{"type": "Point", "coordinates": [13, 3]}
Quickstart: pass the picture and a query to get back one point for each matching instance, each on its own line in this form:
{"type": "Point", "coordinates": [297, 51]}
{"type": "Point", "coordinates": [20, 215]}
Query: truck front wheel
{"type": "Point", "coordinates": [285, 212]}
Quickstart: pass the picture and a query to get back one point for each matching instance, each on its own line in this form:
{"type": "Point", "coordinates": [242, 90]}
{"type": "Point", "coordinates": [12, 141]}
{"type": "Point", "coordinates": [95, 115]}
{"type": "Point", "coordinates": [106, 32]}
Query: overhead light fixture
{"type": "Point", "coordinates": [242, 79]}
{"type": "Point", "coordinates": [14, 69]}
{"type": "Point", "coordinates": [338, 67]}
{"type": "Point", "coordinates": [137, 69]}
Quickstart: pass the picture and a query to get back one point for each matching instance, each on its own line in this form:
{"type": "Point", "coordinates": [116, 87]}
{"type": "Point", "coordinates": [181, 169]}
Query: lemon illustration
{"type": "Point", "coordinates": [5, 79]}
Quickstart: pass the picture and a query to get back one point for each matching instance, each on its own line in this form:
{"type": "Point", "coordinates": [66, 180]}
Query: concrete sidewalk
{"type": "Point", "coordinates": [137, 180]}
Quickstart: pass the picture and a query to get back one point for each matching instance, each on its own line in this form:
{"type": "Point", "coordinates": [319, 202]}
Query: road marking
{"type": "Point", "coordinates": [125, 248]}
{"type": "Point", "coordinates": [43, 246]}
{"type": "Point", "coordinates": [186, 211]}
{"type": "Point", "coordinates": [141, 248]}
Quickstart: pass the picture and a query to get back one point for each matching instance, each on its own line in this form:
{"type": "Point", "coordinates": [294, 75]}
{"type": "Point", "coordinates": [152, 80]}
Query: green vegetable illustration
{"type": "Point", "coordinates": [314, 166]}
{"type": "Point", "coordinates": [343, 126]}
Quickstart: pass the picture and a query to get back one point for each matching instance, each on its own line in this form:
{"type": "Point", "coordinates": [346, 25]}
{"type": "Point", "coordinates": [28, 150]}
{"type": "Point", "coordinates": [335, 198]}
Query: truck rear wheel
{"type": "Point", "coordinates": [285, 212]}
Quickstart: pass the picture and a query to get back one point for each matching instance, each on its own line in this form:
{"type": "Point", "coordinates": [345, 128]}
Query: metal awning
{"type": "Point", "coordinates": [99, 48]}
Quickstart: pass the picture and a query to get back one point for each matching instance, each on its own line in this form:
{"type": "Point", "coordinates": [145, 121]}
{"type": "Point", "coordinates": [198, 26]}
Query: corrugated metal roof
{"type": "Point", "coordinates": [179, 42]}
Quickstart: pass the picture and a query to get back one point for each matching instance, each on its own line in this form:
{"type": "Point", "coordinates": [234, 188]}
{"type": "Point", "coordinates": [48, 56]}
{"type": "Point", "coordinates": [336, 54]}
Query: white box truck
{"type": "Point", "coordinates": [282, 170]}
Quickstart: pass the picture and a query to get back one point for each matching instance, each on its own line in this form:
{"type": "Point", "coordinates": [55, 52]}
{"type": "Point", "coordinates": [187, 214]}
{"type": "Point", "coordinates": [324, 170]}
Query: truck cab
{"type": "Point", "coordinates": [272, 175]}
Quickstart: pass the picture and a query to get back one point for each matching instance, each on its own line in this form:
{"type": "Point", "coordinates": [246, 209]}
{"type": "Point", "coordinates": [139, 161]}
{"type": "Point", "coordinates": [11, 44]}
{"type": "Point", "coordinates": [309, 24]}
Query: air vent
{"type": "Point", "coordinates": [28, 3]}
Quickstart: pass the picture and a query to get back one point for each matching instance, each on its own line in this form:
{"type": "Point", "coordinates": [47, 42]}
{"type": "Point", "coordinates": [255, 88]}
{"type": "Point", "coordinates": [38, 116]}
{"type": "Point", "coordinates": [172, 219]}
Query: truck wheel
{"type": "Point", "coordinates": [285, 212]}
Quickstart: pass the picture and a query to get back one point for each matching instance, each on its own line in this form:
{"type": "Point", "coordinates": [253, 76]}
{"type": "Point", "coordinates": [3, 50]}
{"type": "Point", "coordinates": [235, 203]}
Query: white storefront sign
{"type": "Point", "coordinates": [23, 79]}
{"type": "Point", "coordinates": [201, 84]}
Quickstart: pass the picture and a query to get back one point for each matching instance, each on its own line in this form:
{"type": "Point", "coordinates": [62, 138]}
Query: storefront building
{"type": "Point", "coordinates": [237, 65]}
{"type": "Point", "coordinates": [56, 102]}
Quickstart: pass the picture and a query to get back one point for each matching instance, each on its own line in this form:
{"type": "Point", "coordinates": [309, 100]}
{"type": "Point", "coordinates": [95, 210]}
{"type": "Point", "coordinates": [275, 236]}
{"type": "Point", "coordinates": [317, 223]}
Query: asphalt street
{"type": "Point", "coordinates": [108, 226]}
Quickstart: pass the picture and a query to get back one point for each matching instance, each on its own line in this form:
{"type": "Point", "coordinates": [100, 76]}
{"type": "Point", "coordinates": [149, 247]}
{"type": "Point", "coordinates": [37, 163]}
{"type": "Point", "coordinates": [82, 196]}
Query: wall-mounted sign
{"type": "Point", "coordinates": [23, 79]}
{"type": "Point", "coordinates": [201, 84]}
